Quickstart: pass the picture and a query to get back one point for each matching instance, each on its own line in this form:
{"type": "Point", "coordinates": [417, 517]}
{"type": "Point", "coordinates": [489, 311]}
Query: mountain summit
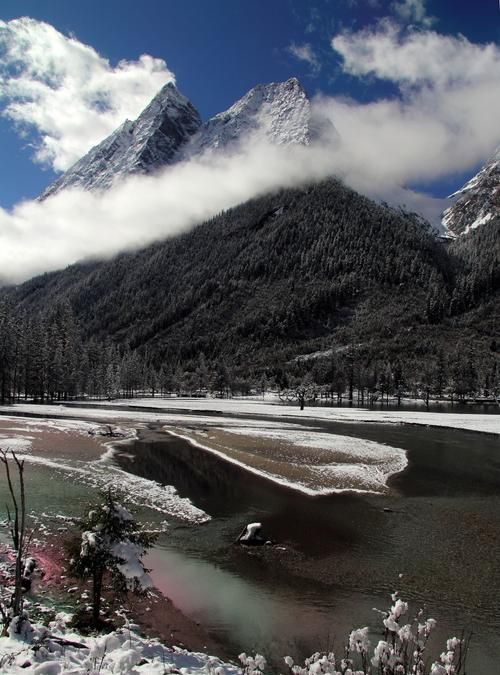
{"type": "Point", "coordinates": [280, 112]}
{"type": "Point", "coordinates": [170, 130]}
{"type": "Point", "coordinates": [478, 201]}
{"type": "Point", "coordinates": [142, 146]}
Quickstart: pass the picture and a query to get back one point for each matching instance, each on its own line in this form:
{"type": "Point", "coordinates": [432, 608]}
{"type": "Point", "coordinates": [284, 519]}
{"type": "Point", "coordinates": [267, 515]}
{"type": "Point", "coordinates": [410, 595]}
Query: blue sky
{"type": "Point", "coordinates": [219, 50]}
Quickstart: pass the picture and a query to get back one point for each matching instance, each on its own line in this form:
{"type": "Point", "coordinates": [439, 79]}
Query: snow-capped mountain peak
{"type": "Point", "coordinates": [478, 201]}
{"type": "Point", "coordinates": [280, 112]}
{"type": "Point", "coordinates": [151, 141]}
{"type": "Point", "coordinates": [170, 130]}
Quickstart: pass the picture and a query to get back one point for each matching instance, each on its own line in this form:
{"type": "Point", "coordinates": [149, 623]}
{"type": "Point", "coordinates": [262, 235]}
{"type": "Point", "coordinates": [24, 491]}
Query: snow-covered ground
{"type": "Point", "coordinates": [289, 452]}
{"type": "Point", "coordinates": [41, 651]}
{"type": "Point", "coordinates": [471, 421]}
{"type": "Point", "coordinates": [56, 650]}
{"type": "Point", "coordinates": [169, 410]}
{"type": "Point", "coordinates": [299, 457]}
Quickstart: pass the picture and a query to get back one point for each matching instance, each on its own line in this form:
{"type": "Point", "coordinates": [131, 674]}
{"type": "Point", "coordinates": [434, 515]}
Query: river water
{"type": "Point", "coordinates": [435, 537]}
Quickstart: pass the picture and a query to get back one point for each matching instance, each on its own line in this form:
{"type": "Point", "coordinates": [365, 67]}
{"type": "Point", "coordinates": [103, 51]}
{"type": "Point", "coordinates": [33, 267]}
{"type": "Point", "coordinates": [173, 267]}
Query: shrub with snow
{"type": "Point", "coordinates": [402, 652]}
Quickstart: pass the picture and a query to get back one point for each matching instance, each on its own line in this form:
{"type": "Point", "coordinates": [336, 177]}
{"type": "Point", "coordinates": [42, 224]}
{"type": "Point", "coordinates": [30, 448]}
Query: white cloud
{"type": "Point", "coordinates": [40, 236]}
{"type": "Point", "coordinates": [69, 94]}
{"type": "Point", "coordinates": [443, 120]}
{"type": "Point", "coordinates": [417, 57]}
{"type": "Point", "coordinates": [305, 53]}
{"type": "Point", "coordinates": [413, 12]}
{"type": "Point", "coordinates": [35, 236]}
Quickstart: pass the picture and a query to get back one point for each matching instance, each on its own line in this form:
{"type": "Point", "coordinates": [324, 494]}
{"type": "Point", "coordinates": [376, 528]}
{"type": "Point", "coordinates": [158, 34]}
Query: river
{"type": "Point", "coordinates": [434, 537]}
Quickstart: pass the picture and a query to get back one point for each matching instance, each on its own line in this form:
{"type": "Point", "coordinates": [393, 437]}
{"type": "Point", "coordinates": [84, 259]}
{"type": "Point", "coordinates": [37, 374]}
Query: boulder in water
{"type": "Point", "coordinates": [251, 535]}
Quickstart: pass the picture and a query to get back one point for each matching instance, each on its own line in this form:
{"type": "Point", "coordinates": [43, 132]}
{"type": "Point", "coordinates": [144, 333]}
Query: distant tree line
{"type": "Point", "coordinates": [44, 358]}
{"type": "Point", "coordinates": [351, 376]}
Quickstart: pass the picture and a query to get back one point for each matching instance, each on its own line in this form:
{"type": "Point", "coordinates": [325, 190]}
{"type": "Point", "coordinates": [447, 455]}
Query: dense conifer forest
{"type": "Point", "coordinates": [317, 285]}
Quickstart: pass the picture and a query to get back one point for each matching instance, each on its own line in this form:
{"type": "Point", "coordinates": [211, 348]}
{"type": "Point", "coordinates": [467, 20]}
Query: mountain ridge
{"type": "Point", "coordinates": [139, 146]}
{"type": "Point", "coordinates": [281, 111]}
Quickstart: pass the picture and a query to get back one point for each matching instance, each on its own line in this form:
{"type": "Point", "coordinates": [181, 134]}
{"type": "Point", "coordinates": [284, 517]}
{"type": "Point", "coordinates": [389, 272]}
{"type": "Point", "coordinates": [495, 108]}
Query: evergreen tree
{"type": "Point", "coordinates": [112, 543]}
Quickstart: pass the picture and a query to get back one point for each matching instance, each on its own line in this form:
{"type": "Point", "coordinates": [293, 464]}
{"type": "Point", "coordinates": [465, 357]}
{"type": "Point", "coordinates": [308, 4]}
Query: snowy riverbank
{"type": "Point", "coordinates": [174, 409]}
{"type": "Point", "coordinates": [301, 458]}
{"type": "Point", "coordinates": [278, 442]}
{"type": "Point", "coordinates": [287, 452]}
{"type": "Point", "coordinates": [239, 406]}
{"type": "Point", "coordinates": [56, 649]}
{"type": "Point", "coordinates": [285, 434]}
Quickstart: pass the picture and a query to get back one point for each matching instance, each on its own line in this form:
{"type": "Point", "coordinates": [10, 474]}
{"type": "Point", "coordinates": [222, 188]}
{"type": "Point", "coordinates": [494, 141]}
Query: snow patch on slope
{"type": "Point", "coordinates": [479, 221]}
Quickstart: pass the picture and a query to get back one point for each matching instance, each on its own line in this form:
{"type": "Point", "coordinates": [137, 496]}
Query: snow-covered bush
{"type": "Point", "coordinates": [111, 543]}
{"type": "Point", "coordinates": [253, 665]}
{"type": "Point", "coordinates": [20, 627]}
{"type": "Point", "coordinates": [402, 652]}
{"type": "Point", "coordinates": [56, 650]}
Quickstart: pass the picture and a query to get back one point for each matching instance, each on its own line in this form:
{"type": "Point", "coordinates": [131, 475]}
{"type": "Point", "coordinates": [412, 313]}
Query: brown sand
{"type": "Point", "coordinates": [46, 441]}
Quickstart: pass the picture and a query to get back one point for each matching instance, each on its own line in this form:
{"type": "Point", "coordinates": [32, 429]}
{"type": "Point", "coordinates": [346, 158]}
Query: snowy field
{"type": "Point", "coordinates": [171, 409]}
{"type": "Point", "coordinates": [471, 421]}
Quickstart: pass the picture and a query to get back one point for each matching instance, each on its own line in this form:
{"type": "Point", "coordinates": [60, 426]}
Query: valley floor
{"type": "Point", "coordinates": [316, 451]}
{"type": "Point", "coordinates": [300, 449]}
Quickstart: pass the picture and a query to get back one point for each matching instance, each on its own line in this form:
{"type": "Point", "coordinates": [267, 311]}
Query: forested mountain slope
{"type": "Point", "coordinates": [288, 274]}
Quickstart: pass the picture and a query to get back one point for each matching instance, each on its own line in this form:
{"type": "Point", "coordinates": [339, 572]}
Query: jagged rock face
{"type": "Point", "coordinates": [478, 201]}
{"type": "Point", "coordinates": [281, 112]}
{"type": "Point", "coordinates": [150, 142]}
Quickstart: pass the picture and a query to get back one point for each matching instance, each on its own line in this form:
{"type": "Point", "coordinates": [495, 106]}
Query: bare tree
{"type": "Point", "coordinates": [17, 526]}
{"type": "Point", "coordinates": [302, 392]}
